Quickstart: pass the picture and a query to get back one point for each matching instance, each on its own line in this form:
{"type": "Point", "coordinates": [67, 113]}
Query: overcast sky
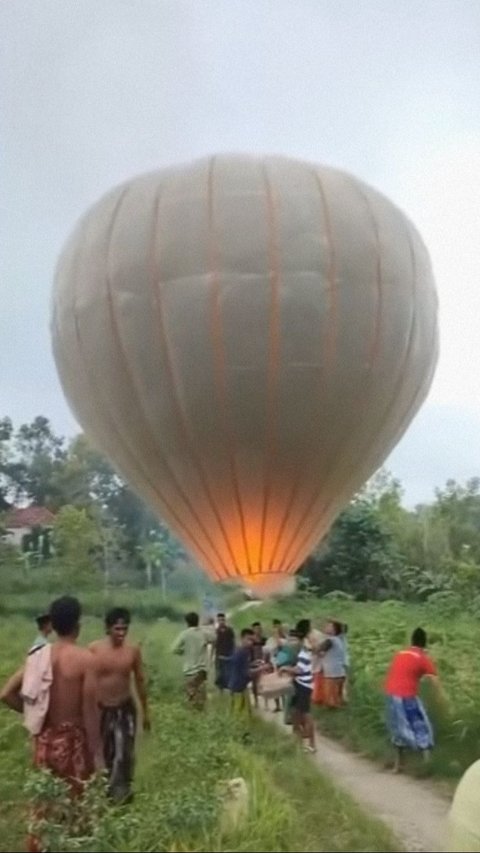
{"type": "Point", "coordinates": [94, 92]}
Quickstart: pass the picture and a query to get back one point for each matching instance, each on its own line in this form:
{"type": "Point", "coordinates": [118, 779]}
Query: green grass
{"type": "Point", "coordinates": [27, 592]}
{"type": "Point", "coordinates": [146, 604]}
{"type": "Point", "coordinates": [180, 766]}
{"type": "Point", "coordinates": [376, 632]}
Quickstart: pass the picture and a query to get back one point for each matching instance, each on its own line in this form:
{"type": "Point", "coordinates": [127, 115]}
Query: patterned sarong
{"type": "Point", "coordinates": [64, 752]}
{"type": "Point", "coordinates": [408, 723]}
{"type": "Point", "coordinates": [118, 729]}
{"type": "Point", "coordinates": [196, 689]}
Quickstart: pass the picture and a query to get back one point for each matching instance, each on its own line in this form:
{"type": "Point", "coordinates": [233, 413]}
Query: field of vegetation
{"type": "Point", "coordinates": [376, 631]}
{"type": "Point", "coordinates": [384, 569]}
{"type": "Point", "coordinates": [182, 764]}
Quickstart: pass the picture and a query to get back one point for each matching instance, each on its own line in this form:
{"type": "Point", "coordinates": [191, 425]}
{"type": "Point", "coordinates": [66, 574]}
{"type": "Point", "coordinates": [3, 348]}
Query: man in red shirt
{"type": "Point", "coordinates": [408, 722]}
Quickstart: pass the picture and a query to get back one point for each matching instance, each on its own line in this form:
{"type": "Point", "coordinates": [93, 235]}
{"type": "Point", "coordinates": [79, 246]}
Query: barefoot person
{"type": "Point", "coordinates": [116, 662]}
{"type": "Point", "coordinates": [56, 690]}
{"type": "Point", "coordinates": [407, 719]}
{"type": "Point", "coordinates": [193, 644]}
{"type": "Point", "coordinates": [303, 725]}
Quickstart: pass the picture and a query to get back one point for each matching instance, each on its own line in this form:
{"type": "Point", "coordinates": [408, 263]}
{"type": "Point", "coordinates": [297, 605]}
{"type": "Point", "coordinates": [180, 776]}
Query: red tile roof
{"type": "Point", "coordinates": [29, 516]}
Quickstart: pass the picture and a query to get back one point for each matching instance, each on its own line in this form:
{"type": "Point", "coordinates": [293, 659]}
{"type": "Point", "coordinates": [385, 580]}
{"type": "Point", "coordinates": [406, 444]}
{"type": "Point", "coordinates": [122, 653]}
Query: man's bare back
{"type": "Point", "coordinates": [72, 716]}
{"type": "Point", "coordinates": [114, 667]}
{"type": "Point", "coordinates": [71, 667]}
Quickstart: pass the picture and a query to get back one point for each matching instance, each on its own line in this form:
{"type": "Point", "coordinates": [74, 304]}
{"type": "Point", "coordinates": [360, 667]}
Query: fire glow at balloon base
{"type": "Point", "coordinates": [246, 339]}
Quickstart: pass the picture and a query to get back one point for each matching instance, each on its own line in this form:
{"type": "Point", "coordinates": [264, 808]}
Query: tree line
{"type": "Point", "coordinates": [379, 549]}
{"type": "Point", "coordinates": [102, 530]}
{"type": "Point", "coordinates": [376, 549]}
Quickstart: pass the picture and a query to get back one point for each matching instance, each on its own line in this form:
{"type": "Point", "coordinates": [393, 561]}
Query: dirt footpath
{"type": "Point", "coordinates": [414, 811]}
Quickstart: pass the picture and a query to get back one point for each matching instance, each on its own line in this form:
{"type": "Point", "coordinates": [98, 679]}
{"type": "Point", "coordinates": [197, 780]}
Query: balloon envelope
{"type": "Point", "coordinates": [246, 339]}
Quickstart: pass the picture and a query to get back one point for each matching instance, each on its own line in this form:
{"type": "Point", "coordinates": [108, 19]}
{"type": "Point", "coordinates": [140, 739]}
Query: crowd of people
{"type": "Point", "coordinates": [80, 704]}
{"type": "Point", "coordinates": [293, 667]}
{"type": "Point", "coordinates": [300, 667]}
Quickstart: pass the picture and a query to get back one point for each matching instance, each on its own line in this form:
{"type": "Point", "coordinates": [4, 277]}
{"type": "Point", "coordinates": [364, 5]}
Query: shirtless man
{"type": "Point", "coordinates": [115, 663]}
{"type": "Point", "coordinates": [68, 742]}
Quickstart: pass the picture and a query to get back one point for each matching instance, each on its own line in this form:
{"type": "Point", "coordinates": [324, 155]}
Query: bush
{"type": "Point", "coordinates": [337, 595]}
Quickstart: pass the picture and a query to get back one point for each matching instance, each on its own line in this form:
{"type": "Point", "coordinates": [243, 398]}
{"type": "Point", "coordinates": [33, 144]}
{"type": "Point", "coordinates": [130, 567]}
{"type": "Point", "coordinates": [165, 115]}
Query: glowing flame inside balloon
{"type": "Point", "coordinates": [246, 339]}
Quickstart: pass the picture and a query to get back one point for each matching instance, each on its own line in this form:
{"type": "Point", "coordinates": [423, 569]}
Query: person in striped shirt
{"type": "Point", "coordinates": [303, 725]}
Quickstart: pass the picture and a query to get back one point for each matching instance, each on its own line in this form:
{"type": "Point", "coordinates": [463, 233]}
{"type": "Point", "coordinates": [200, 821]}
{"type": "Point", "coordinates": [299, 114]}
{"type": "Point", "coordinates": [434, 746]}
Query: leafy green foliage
{"type": "Point", "coordinates": [359, 556]}
{"type": "Point", "coordinates": [77, 540]}
{"type": "Point", "coordinates": [30, 461]}
{"type": "Point", "coordinates": [377, 549]}
{"type": "Point", "coordinates": [39, 467]}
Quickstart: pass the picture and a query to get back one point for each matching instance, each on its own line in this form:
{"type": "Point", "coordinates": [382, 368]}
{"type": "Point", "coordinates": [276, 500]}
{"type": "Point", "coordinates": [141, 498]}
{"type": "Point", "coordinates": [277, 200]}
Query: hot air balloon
{"type": "Point", "coordinates": [246, 338]}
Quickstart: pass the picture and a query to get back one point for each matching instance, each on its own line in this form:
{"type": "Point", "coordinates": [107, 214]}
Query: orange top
{"type": "Point", "coordinates": [406, 671]}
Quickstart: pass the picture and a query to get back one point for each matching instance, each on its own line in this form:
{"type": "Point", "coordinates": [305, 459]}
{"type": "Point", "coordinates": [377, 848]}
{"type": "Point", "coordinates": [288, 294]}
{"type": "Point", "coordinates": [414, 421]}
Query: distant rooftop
{"type": "Point", "coordinates": [29, 516]}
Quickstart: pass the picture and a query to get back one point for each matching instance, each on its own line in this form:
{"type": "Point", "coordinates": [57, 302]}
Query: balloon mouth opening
{"type": "Point", "coordinates": [266, 585]}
